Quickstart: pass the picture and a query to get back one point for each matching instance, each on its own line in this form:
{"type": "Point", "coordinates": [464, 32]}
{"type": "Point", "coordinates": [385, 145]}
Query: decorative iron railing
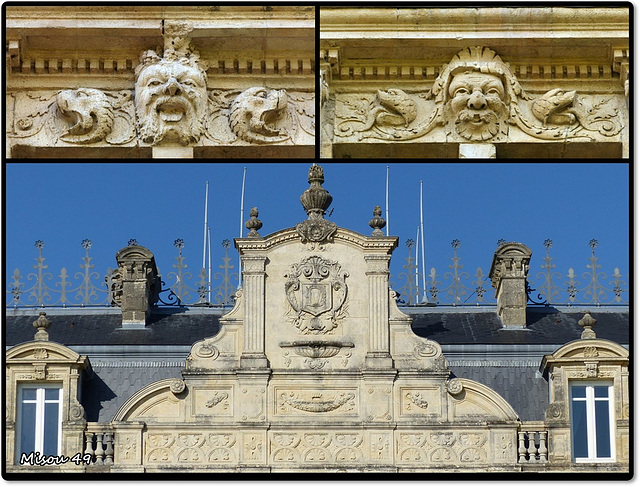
{"type": "Point", "coordinates": [455, 287]}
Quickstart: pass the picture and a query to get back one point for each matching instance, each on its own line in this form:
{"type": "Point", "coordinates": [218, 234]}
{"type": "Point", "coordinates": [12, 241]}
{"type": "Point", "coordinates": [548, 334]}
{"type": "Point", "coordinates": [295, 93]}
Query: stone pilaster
{"type": "Point", "coordinates": [377, 273]}
{"type": "Point", "coordinates": [253, 355]}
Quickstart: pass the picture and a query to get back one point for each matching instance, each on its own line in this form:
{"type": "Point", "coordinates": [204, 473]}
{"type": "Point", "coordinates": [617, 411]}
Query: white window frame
{"type": "Point", "coordinates": [591, 420]}
{"type": "Point", "coordinates": [40, 402]}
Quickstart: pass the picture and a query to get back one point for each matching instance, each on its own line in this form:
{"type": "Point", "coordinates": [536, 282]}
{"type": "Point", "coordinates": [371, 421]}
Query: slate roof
{"type": "Point", "coordinates": [544, 326]}
{"type": "Point", "coordinates": [178, 328]}
{"type": "Point", "coordinates": [109, 387]}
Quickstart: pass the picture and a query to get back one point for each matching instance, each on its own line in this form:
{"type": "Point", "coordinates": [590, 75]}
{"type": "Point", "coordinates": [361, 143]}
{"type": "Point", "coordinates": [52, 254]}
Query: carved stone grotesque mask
{"type": "Point", "coordinates": [171, 102]}
{"type": "Point", "coordinates": [477, 104]}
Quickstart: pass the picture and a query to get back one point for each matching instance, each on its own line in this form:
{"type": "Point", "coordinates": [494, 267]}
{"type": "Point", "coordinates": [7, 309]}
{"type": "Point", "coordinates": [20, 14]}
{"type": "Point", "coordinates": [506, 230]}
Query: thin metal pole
{"type": "Point", "coordinates": [417, 247]}
{"type": "Point", "coordinates": [387, 202]}
{"type": "Point", "coordinates": [244, 175]}
{"type": "Point", "coordinates": [209, 245]}
{"type": "Point", "coordinates": [206, 207]}
{"type": "Point", "coordinates": [424, 275]}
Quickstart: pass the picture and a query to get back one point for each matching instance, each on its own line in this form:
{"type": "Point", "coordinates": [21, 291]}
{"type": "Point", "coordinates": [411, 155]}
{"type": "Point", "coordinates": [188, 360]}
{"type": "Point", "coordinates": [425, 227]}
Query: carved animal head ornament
{"type": "Point", "coordinates": [254, 114]}
{"type": "Point", "coordinates": [88, 111]}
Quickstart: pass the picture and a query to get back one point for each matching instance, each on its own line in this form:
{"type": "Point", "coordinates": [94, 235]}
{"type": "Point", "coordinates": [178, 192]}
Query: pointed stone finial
{"type": "Point", "coordinates": [253, 224]}
{"type": "Point", "coordinates": [587, 322]}
{"type": "Point", "coordinates": [42, 323]}
{"type": "Point", "coordinates": [377, 222]}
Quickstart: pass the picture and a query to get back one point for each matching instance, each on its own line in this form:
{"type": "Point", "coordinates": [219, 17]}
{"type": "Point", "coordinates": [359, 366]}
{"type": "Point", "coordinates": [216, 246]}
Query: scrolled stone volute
{"type": "Point", "coordinates": [508, 276]}
{"type": "Point", "coordinates": [140, 284]}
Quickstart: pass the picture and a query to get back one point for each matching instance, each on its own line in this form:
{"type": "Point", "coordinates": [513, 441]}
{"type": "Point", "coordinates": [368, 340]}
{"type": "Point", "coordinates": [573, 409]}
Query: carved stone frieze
{"type": "Point", "coordinates": [316, 292]}
{"type": "Point", "coordinates": [443, 447]}
{"type": "Point", "coordinates": [475, 98]}
{"type": "Point", "coordinates": [192, 448]}
{"type": "Point", "coordinates": [323, 447]}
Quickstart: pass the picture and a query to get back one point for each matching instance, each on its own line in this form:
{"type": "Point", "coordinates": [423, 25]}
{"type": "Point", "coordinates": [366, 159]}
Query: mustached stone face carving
{"type": "Point", "coordinates": [171, 101]}
{"type": "Point", "coordinates": [477, 104]}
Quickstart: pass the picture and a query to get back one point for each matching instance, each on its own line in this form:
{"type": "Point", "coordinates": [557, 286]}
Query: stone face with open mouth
{"type": "Point", "coordinates": [171, 103]}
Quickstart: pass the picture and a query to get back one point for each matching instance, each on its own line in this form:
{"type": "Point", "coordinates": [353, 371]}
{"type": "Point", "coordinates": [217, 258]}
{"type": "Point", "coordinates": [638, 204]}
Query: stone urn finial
{"type": "Point", "coordinates": [253, 224]}
{"type": "Point", "coordinates": [587, 323]}
{"type": "Point", "coordinates": [377, 222]}
{"type": "Point", "coordinates": [42, 323]}
{"type": "Point", "coordinates": [316, 200]}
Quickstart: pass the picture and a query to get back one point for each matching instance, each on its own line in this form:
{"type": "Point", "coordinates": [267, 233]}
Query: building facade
{"type": "Point", "coordinates": [316, 369]}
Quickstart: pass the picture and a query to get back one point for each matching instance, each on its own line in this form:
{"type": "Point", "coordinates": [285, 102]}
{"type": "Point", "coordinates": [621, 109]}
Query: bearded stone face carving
{"type": "Point", "coordinates": [171, 99]}
{"type": "Point", "coordinates": [477, 104]}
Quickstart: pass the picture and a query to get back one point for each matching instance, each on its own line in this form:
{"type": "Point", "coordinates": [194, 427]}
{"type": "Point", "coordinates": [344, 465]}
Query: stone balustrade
{"type": "Point", "coordinates": [533, 439]}
{"type": "Point", "coordinates": [99, 443]}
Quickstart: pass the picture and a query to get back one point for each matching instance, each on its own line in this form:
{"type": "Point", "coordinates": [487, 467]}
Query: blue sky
{"type": "Point", "coordinates": [476, 203]}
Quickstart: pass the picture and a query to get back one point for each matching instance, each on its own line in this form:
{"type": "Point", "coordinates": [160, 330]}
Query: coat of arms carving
{"type": "Point", "coordinates": [316, 293]}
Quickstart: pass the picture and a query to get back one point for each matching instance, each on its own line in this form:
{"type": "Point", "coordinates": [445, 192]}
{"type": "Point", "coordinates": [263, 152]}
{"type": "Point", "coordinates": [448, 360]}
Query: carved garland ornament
{"type": "Point", "coordinates": [316, 404]}
{"type": "Point", "coordinates": [475, 97]}
{"type": "Point", "coordinates": [316, 292]}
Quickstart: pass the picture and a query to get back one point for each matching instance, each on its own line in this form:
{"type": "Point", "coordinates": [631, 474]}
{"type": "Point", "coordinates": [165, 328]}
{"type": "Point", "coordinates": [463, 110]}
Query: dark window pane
{"type": "Point", "coordinates": [29, 394]}
{"type": "Point", "coordinates": [28, 428]}
{"type": "Point", "coordinates": [579, 429]}
{"type": "Point", "coordinates": [603, 438]}
{"type": "Point", "coordinates": [50, 429]}
{"type": "Point", "coordinates": [601, 391]}
{"type": "Point", "coordinates": [50, 394]}
{"type": "Point", "coordinates": [579, 391]}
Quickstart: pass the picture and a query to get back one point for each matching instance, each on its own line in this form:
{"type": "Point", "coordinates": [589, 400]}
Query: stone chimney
{"type": "Point", "coordinates": [508, 275]}
{"type": "Point", "coordinates": [137, 284]}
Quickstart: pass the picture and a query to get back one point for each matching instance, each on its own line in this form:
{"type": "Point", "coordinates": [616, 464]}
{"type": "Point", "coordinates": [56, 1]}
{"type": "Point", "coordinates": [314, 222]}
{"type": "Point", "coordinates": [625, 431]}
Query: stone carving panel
{"type": "Point", "coordinates": [317, 402]}
{"type": "Point", "coordinates": [475, 98]}
{"type": "Point", "coordinates": [442, 448]}
{"type": "Point", "coordinates": [328, 447]}
{"type": "Point", "coordinates": [191, 448]}
{"type": "Point", "coordinates": [217, 403]}
{"type": "Point", "coordinates": [316, 293]}
{"type": "Point", "coordinates": [83, 116]}
{"type": "Point", "coordinates": [420, 401]}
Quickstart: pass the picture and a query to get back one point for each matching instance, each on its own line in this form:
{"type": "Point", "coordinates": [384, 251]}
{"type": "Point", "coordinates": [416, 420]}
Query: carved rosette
{"type": "Point", "coordinates": [316, 293]}
{"type": "Point", "coordinates": [454, 387]}
{"type": "Point", "coordinates": [177, 386]}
